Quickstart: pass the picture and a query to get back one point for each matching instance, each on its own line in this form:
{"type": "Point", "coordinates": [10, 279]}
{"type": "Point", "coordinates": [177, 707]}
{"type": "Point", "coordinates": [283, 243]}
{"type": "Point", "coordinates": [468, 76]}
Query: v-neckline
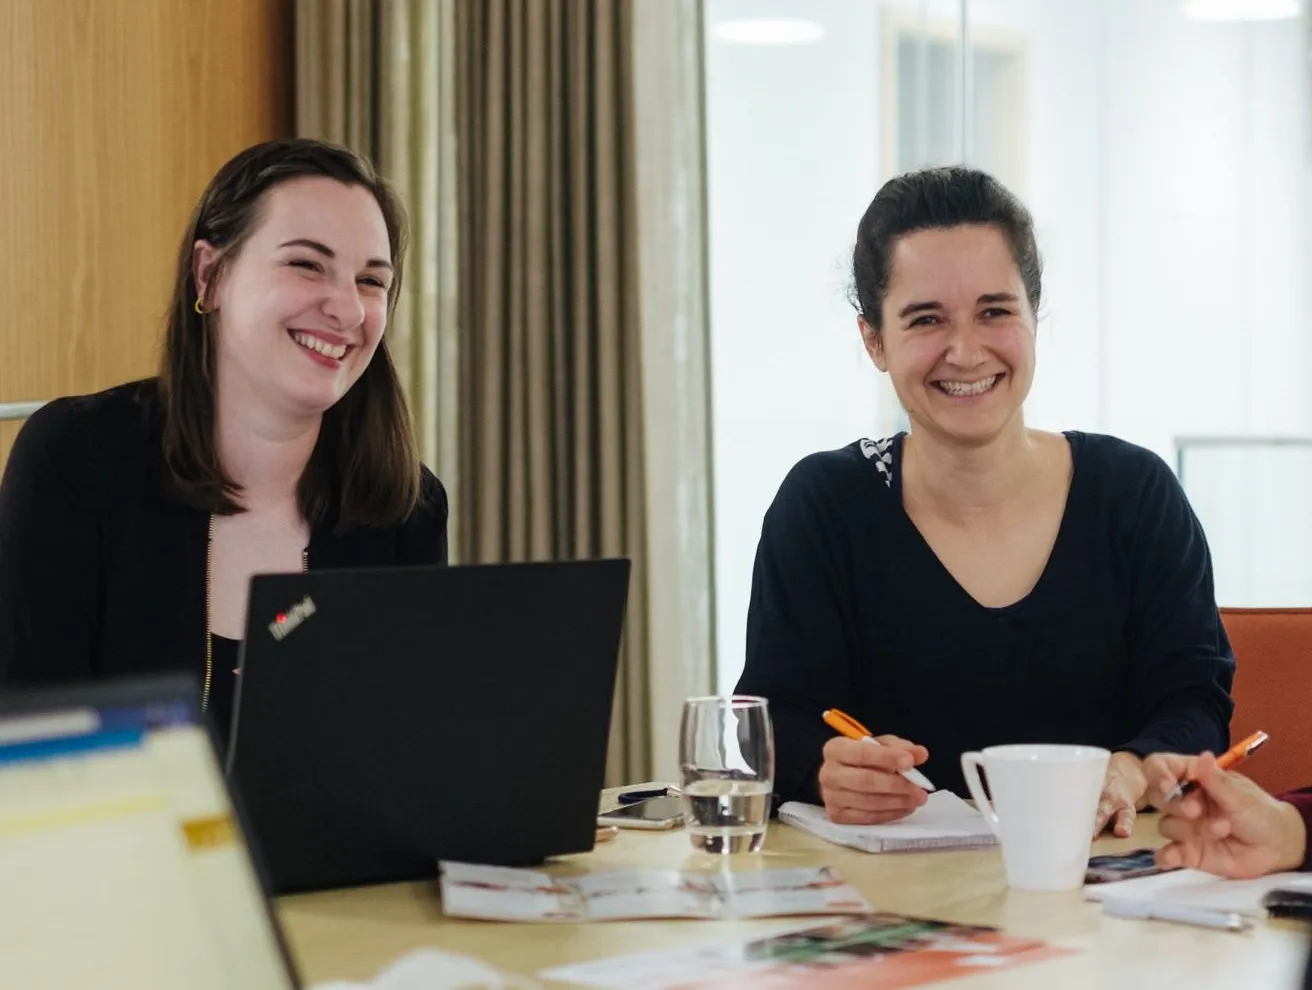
{"type": "Point", "coordinates": [1073, 441]}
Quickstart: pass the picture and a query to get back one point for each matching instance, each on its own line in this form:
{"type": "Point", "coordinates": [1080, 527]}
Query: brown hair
{"type": "Point", "coordinates": [949, 196]}
{"type": "Point", "coordinates": [364, 471]}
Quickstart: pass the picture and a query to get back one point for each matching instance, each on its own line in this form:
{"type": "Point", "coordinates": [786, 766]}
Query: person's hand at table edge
{"type": "Point", "coordinates": [861, 784]}
{"type": "Point", "coordinates": [1124, 792]}
{"type": "Point", "coordinates": [1228, 826]}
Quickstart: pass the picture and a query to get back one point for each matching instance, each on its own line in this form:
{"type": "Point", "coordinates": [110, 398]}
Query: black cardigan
{"type": "Point", "coordinates": [1119, 644]}
{"type": "Point", "coordinates": [101, 574]}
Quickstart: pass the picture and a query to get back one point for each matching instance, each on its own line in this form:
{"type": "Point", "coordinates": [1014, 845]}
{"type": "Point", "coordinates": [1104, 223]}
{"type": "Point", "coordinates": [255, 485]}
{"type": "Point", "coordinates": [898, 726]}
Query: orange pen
{"type": "Point", "coordinates": [1232, 757]}
{"type": "Point", "coordinates": [846, 725]}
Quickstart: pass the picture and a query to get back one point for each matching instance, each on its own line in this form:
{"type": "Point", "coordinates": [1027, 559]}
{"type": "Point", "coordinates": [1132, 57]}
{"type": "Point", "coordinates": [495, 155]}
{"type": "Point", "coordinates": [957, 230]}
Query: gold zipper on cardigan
{"type": "Point", "coordinates": [209, 638]}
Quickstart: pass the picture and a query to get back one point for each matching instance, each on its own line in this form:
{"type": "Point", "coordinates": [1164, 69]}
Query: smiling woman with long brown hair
{"type": "Point", "coordinates": [275, 438]}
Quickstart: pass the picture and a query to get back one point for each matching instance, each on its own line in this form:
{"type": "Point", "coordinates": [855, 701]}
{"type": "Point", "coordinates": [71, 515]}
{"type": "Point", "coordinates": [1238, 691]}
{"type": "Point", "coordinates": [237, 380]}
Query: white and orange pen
{"type": "Point", "coordinates": [845, 724]}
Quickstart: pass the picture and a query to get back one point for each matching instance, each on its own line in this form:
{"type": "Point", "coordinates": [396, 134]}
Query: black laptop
{"type": "Point", "coordinates": [124, 860]}
{"type": "Point", "coordinates": [387, 719]}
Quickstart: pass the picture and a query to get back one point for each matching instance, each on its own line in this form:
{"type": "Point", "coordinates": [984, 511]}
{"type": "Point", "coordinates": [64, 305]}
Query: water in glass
{"type": "Point", "coordinates": [727, 761]}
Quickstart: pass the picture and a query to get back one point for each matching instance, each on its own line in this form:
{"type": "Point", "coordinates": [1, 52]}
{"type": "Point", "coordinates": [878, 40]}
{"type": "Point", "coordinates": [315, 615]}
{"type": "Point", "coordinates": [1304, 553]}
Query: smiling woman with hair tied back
{"type": "Point", "coordinates": [974, 582]}
{"type": "Point", "coordinates": [275, 438]}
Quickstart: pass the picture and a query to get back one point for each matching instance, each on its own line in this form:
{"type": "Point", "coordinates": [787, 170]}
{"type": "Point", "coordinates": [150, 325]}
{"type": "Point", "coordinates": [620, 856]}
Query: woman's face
{"type": "Point", "coordinates": [958, 336]}
{"type": "Point", "coordinates": [302, 306]}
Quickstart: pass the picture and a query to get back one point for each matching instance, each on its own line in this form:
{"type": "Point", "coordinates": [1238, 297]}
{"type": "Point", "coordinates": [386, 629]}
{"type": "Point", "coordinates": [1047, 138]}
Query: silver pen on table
{"type": "Point", "coordinates": [1230, 921]}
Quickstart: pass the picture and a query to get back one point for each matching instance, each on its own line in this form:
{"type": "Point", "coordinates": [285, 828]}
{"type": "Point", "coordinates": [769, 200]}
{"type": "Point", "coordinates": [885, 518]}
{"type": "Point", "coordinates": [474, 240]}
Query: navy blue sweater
{"type": "Point", "coordinates": [1119, 644]}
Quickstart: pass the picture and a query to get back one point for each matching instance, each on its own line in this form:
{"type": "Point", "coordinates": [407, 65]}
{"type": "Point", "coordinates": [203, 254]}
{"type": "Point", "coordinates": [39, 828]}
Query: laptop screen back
{"type": "Point", "coordinates": [123, 864]}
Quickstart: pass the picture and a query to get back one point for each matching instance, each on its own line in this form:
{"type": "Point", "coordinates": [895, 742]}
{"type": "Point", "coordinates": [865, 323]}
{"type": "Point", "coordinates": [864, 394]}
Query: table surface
{"type": "Point", "coordinates": [352, 934]}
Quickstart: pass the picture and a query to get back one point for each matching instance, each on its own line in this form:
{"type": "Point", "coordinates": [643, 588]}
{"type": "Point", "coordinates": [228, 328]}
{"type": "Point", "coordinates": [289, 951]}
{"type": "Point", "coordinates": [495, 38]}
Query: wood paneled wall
{"type": "Point", "coordinates": [114, 114]}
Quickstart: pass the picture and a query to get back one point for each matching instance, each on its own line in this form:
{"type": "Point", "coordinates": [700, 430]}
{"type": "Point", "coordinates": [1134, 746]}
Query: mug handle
{"type": "Point", "coordinates": [971, 765]}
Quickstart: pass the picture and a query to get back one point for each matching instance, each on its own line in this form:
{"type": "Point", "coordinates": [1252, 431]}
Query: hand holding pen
{"type": "Point", "coordinates": [1223, 822]}
{"type": "Point", "coordinates": [866, 780]}
{"type": "Point", "coordinates": [1231, 758]}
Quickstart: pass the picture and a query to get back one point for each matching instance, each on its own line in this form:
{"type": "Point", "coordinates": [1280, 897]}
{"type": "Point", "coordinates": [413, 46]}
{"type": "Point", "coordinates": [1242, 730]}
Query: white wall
{"type": "Point", "coordinates": [1167, 165]}
{"type": "Point", "coordinates": [1207, 207]}
{"type": "Point", "coordinates": [1209, 329]}
{"type": "Point", "coordinates": [1063, 173]}
{"type": "Point", "coordinates": [792, 162]}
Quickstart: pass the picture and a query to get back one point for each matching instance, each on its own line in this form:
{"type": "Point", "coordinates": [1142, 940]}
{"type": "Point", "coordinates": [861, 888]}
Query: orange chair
{"type": "Point", "coordinates": [1273, 691]}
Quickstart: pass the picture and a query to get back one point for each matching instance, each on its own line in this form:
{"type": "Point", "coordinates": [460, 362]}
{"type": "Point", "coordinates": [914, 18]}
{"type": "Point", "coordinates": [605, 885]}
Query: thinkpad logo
{"type": "Point", "coordinates": [285, 623]}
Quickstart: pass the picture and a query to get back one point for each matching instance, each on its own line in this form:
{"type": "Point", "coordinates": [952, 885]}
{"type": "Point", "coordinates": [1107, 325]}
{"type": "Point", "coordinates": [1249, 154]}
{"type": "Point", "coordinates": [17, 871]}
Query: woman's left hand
{"type": "Point", "coordinates": [1123, 794]}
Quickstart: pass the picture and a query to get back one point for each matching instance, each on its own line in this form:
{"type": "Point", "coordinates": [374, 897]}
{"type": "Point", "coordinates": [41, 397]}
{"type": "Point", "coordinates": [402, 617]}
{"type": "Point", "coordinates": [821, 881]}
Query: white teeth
{"type": "Point", "coordinates": [335, 351]}
{"type": "Point", "coordinates": [968, 388]}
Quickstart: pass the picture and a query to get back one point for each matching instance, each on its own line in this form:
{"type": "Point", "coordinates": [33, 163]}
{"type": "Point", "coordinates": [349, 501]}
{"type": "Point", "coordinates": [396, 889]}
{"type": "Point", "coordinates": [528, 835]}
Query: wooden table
{"type": "Point", "coordinates": [352, 934]}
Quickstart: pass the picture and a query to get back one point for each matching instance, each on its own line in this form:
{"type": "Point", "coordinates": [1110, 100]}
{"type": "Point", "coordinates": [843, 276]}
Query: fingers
{"type": "Point", "coordinates": [888, 758]}
{"type": "Point", "coordinates": [1163, 771]}
{"type": "Point", "coordinates": [859, 782]}
{"type": "Point", "coordinates": [1168, 857]}
{"type": "Point", "coordinates": [919, 754]}
{"type": "Point", "coordinates": [855, 816]}
{"type": "Point", "coordinates": [1217, 791]}
{"type": "Point", "coordinates": [1166, 768]}
{"type": "Point", "coordinates": [1227, 791]}
{"type": "Point", "coordinates": [1179, 855]}
{"type": "Point", "coordinates": [1190, 807]}
{"type": "Point", "coordinates": [1115, 810]}
{"type": "Point", "coordinates": [1180, 830]}
{"type": "Point", "coordinates": [1186, 846]}
{"type": "Point", "coordinates": [1101, 818]}
{"type": "Point", "coordinates": [1109, 805]}
{"type": "Point", "coordinates": [902, 804]}
{"type": "Point", "coordinates": [841, 777]}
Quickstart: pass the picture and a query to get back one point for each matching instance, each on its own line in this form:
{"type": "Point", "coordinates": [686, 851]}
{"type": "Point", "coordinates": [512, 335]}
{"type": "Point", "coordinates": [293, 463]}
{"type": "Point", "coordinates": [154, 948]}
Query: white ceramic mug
{"type": "Point", "coordinates": [1045, 798]}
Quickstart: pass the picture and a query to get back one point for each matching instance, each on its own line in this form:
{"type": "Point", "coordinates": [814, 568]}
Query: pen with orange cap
{"type": "Point", "coordinates": [846, 725]}
{"type": "Point", "coordinates": [1232, 757]}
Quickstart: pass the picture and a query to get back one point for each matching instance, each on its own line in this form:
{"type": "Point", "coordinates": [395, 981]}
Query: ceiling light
{"type": "Point", "coordinates": [776, 31]}
{"type": "Point", "coordinates": [1241, 10]}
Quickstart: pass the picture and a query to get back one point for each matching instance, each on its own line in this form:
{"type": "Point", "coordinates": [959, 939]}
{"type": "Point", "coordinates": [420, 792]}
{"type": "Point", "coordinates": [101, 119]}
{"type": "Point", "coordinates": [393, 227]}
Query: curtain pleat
{"type": "Point", "coordinates": [552, 431]}
{"type": "Point", "coordinates": [506, 127]}
{"type": "Point", "coordinates": [379, 76]}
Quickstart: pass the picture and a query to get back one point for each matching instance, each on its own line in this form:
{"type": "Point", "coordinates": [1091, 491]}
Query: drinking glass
{"type": "Point", "coordinates": [726, 757]}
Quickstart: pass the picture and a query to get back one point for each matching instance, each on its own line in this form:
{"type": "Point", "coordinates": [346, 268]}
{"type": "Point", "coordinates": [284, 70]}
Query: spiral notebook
{"type": "Point", "coordinates": [943, 822]}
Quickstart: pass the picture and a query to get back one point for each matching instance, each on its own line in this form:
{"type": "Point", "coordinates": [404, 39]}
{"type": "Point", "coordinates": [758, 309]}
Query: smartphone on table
{"type": "Point", "coordinates": [654, 813]}
{"type": "Point", "coordinates": [1124, 866]}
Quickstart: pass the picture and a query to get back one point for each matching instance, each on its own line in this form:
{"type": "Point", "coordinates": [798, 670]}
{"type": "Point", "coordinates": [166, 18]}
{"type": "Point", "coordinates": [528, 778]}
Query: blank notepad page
{"type": "Point", "coordinates": [943, 822]}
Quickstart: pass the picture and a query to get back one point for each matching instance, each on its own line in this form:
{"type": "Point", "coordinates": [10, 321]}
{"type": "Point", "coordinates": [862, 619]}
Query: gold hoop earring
{"type": "Point", "coordinates": [200, 310]}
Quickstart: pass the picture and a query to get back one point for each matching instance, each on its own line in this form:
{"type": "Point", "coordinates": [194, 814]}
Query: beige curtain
{"type": "Point", "coordinates": [506, 126]}
{"type": "Point", "coordinates": [378, 76]}
{"type": "Point", "coordinates": [669, 157]}
{"type": "Point", "coordinates": [551, 433]}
